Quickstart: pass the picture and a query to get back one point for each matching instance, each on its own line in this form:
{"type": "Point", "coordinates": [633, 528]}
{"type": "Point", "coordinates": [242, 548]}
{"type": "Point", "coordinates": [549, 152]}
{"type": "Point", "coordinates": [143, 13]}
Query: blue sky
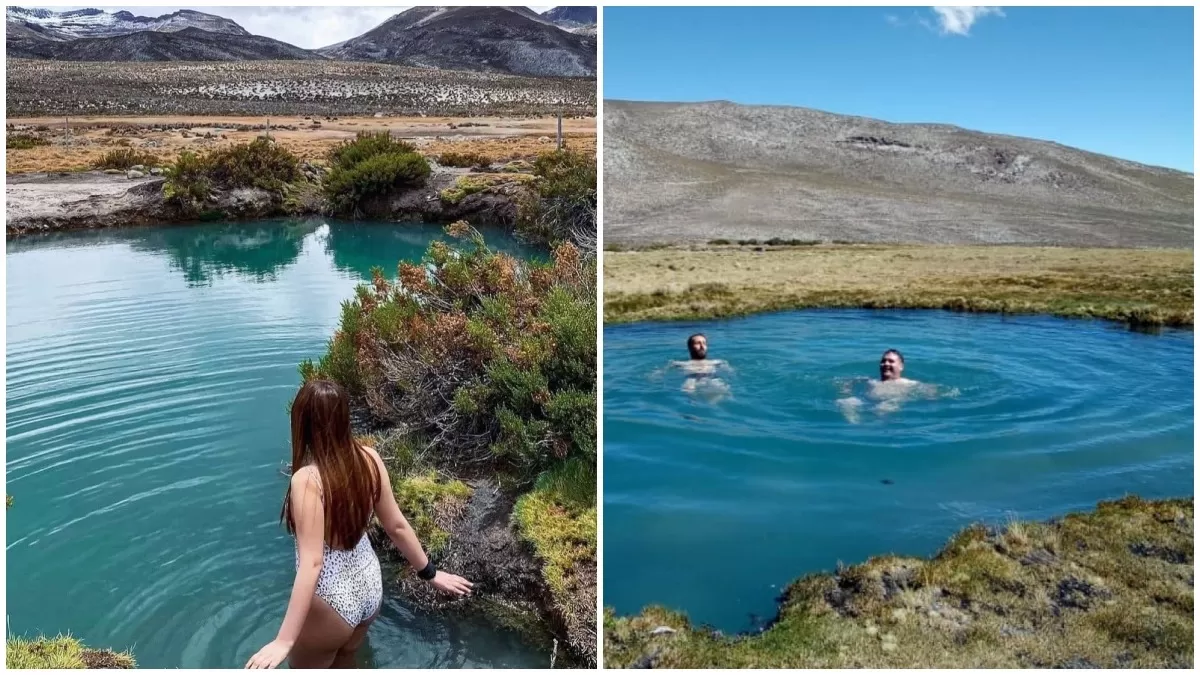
{"type": "Point", "coordinates": [1111, 80]}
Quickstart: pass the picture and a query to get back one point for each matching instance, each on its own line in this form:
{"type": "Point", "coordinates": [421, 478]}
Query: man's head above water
{"type": "Point", "coordinates": [891, 365]}
{"type": "Point", "coordinates": [698, 346]}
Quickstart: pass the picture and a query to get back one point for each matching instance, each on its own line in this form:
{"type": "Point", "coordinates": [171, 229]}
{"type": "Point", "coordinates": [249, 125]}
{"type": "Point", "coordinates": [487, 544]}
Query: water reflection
{"type": "Point", "coordinates": [257, 251]}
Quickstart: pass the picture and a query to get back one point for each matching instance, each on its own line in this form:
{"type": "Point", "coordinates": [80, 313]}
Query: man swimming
{"type": "Point", "coordinates": [701, 370]}
{"type": "Point", "coordinates": [889, 390]}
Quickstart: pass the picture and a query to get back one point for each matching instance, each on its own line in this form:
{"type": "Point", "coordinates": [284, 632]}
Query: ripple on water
{"type": "Point", "coordinates": [1049, 416]}
{"type": "Point", "coordinates": [149, 373]}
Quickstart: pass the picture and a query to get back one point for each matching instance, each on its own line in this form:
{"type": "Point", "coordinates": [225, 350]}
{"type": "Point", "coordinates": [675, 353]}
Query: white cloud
{"type": "Point", "coordinates": [958, 20]}
{"type": "Point", "coordinates": [306, 27]}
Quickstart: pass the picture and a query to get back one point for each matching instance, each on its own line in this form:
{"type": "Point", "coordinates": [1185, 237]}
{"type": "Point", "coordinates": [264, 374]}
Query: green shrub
{"type": "Point", "coordinates": [493, 359]}
{"type": "Point", "coordinates": [126, 158]}
{"type": "Point", "coordinates": [261, 164]}
{"type": "Point", "coordinates": [372, 165]}
{"type": "Point", "coordinates": [23, 142]}
{"type": "Point", "coordinates": [563, 206]}
{"type": "Point", "coordinates": [187, 181]}
{"type": "Point", "coordinates": [368, 144]}
{"type": "Point", "coordinates": [464, 160]}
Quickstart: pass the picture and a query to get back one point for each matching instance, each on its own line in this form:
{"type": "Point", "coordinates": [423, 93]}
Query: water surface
{"type": "Point", "coordinates": [149, 372]}
{"type": "Point", "coordinates": [713, 507]}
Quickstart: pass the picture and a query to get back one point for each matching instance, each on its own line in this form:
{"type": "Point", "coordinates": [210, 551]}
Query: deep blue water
{"type": "Point", "coordinates": [149, 372]}
{"type": "Point", "coordinates": [713, 507]}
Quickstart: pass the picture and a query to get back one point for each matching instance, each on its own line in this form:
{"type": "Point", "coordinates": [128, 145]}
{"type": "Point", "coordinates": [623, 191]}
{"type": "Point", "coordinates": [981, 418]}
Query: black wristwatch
{"type": "Point", "coordinates": [428, 573]}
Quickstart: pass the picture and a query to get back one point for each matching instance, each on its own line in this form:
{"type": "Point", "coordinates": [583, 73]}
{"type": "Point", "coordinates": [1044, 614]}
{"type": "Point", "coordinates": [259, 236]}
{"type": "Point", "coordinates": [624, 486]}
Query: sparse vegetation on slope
{"type": "Point", "coordinates": [691, 172]}
{"type": "Point", "coordinates": [282, 88]}
{"type": "Point", "coordinates": [1106, 589]}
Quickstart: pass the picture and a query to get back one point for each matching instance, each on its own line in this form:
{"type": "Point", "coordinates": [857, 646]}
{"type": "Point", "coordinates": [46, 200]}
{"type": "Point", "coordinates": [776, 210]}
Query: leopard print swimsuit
{"type": "Point", "coordinates": [350, 581]}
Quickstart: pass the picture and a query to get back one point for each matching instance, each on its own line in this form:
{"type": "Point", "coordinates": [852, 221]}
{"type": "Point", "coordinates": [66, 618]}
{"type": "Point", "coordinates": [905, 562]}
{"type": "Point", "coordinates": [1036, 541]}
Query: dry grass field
{"type": "Point", "coordinates": [1143, 286]}
{"type": "Point", "coordinates": [77, 144]}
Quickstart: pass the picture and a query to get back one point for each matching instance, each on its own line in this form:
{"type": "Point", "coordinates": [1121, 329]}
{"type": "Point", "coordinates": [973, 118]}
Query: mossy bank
{"type": "Point", "coordinates": [1110, 588]}
{"type": "Point", "coordinates": [1144, 287]}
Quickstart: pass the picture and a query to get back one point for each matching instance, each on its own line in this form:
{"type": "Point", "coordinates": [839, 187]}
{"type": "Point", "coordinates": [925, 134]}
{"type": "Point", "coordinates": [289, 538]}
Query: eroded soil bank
{"type": "Point", "coordinates": [95, 199]}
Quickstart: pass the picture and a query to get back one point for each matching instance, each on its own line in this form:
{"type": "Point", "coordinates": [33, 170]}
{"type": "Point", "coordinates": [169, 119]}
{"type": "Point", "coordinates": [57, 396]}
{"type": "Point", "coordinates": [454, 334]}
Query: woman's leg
{"type": "Point", "coordinates": [323, 634]}
{"type": "Point", "coordinates": [347, 656]}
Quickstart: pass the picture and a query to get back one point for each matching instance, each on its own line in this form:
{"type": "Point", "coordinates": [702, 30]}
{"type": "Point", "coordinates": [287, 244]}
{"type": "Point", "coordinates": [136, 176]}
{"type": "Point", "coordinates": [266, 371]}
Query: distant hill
{"type": "Point", "coordinates": [500, 39]}
{"type": "Point", "coordinates": [94, 23]}
{"type": "Point", "coordinates": [96, 35]}
{"type": "Point", "coordinates": [512, 40]}
{"type": "Point", "coordinates": [701, 171]}
{"type": "Point", "coordinates": [188, 44]}
{"type": "Point", "coordinates": [574, 19]}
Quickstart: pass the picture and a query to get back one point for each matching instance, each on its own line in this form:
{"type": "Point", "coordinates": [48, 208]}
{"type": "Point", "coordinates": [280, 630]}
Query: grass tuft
{"type": "Point", "coordinates": [23, 142]}
{"type": "Point", "coordinates": [62, 652]}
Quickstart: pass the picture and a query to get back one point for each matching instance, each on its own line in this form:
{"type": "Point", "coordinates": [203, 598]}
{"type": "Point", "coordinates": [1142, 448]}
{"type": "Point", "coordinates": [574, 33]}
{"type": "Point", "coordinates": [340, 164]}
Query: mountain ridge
{"type": "Point", "coordinates": [187, 44]}
{"type": "Point", "coordinates": [502, 39]}
{"type": "Point", "coordinates": [510, 40]}
{"type": "Point", "coordinates": [692, 171]}
{"type": "Point", "coordinates": [96, 23]}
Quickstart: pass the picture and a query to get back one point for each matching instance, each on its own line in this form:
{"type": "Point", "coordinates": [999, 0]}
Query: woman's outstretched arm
{"type": "Point", "coordinates": [403, 536]}
{"type": "Point", "coordinates": [309, 516]}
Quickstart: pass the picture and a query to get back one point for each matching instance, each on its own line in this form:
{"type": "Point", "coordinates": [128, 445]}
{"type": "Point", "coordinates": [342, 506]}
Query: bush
{"type": "Point", "coordinates": [126, 158]}
{"type": "Point", "coordinates": [261, 164]}
{"type": "Point", "coordinates": [347, 189]}
{"type": "Point", "coordinates": [187, 181]}
{"type": "Point", "coordinates": [372, 165]}
{"type": "Point", "coordinates": [494, 360]}
{"type": "Point", "coordinates": [464, 160]}
{"type": "Point", "coordinates": [368, 144]}
{"type": "Point", "coordinates": [23, 142]}
{"type": "Point", "coordinates": [563, 208]}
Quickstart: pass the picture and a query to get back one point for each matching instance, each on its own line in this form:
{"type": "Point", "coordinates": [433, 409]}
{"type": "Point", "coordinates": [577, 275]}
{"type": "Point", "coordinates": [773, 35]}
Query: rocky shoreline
{"type": "Point", "coordinates": [475, 536]}
{"type": "Point", "coordinates": [45, 202]}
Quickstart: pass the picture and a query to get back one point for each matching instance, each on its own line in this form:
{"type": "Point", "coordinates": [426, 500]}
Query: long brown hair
{"type": "Point", "coordinates": [321, 436]}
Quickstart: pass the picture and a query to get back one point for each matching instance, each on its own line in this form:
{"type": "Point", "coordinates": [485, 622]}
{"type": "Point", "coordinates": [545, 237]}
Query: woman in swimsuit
{"type": "Point", "coordinates": [336, 486]}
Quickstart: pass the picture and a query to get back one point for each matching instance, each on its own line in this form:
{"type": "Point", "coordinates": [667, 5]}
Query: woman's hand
{"type": "Point", "coordinates": [451, 583]}
{"type": "Point", "coordinates": [270, 656]}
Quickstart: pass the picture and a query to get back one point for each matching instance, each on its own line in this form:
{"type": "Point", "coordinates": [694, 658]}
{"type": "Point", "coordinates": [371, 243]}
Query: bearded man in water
{"type": "Point", "coordinates": [700, 368]}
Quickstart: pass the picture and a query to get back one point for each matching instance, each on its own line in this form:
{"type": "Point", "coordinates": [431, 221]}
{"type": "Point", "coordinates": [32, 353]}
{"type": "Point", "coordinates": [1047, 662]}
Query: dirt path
{"type": "Point", "coordinates": [35, 198]}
